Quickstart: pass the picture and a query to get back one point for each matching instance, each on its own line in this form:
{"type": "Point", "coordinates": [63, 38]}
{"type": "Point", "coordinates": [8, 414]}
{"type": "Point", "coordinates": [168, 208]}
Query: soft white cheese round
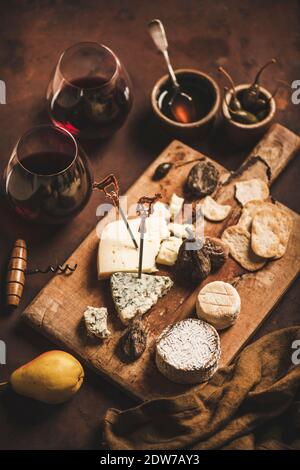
{"type": "Point", "coordinates": [219, 304]}
{"type": "Point", "coordinates": [188, 352]}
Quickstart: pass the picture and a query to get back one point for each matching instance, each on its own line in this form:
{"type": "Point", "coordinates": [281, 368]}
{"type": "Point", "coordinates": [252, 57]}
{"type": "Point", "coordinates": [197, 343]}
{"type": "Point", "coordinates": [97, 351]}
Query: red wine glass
{"type": "Point", "coordinates": [90, 92]}
{"type": "Point", "coordinates": [48, 178]}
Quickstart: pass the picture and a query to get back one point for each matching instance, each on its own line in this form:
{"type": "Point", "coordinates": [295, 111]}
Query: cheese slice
{"type": "Point", "coordinates": [169, 250]}
{"type": "Point", "coordinates": [133, 296]}
{"type": "Point", "coordinates": [176, 204]}
{"type": "Point", "coordinates": [116, 252]}
{"type": "Point", "coordinates": [219, 304]}
{"type": "Point", "coordinates": [188, 352]}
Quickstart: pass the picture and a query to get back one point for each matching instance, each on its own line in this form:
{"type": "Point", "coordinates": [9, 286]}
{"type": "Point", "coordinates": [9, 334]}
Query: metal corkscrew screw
{"type": "Point", "coordinates": [17, 272]}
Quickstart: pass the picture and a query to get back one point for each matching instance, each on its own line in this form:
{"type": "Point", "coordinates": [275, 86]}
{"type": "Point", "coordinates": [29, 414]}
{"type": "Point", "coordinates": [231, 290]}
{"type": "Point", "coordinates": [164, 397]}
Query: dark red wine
{"type": "Point", "coordinates": [49, 187]}
{"type": "Point", "coordinates": [203, 98]}
{"type": "Point", "coordinates": [91, 108]}
{"type": "Point", "coordinates": [47, 163]}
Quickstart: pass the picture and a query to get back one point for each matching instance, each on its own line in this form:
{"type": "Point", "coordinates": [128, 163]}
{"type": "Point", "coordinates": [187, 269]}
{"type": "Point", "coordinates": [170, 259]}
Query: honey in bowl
{"type": "Point", "coordinates": [198, 88]}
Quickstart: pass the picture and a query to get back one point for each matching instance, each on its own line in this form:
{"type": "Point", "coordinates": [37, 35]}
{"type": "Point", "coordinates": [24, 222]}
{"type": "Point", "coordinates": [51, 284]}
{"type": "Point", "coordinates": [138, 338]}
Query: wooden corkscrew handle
{"type": "Point", "coordinates": [15, 279]}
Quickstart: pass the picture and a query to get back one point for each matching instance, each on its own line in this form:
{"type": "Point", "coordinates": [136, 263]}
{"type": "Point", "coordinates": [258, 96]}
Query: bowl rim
{"type": "Point", "coordinates": [194, 124]}
{"type": "Point", "coordinates": [256, 125]}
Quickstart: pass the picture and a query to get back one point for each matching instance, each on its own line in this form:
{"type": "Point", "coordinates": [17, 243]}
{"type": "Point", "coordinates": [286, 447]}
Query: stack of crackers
{"type": "Point", "coordinates": [263, 230]}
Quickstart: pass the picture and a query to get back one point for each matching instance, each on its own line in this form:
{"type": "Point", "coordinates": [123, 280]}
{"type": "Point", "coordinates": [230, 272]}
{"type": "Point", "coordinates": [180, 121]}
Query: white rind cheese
{"type": "Point", "coordinates": [188, 352]}
{"type": "Point", "coordinates": [116, 252]}
{"type": "Point", "coordinates": [219, 304]}
{"type": "Point", "coordinates": [169, 250]}
{"type": "Point", "coordinates": [96, 322]}
{"type": "Point", "coordinates": [176, 204]}
{"type": "Point", "coordinates": [133, 296]}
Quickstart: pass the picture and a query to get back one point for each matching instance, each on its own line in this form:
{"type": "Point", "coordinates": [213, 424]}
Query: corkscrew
{"type": "Point", "coordinates": [110, 187]}
{"type": "Point", "coordinates": [17, 271]}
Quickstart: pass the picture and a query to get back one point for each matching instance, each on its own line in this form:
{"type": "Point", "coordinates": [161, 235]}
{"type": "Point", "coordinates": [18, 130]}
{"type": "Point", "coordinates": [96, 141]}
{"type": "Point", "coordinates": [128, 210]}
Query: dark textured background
{"type": "Point", "coordinates": [241, 35]}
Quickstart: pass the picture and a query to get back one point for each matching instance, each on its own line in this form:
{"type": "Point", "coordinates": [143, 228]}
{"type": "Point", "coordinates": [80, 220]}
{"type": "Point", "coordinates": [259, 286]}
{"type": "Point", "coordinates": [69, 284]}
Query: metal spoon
{"type": "Point", "coordinates": [181, 104]}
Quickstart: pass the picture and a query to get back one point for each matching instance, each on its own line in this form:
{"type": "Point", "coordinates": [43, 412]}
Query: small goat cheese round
{"type": "Point", "coordinates": [219, 304]}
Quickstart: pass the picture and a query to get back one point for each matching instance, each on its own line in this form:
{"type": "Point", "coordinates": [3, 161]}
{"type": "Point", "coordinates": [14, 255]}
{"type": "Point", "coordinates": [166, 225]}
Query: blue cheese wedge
{"type": "Point", "coordinates": [188, 352]}
{"type": "Point", "coordinates": [96, 322]}
{"type": "Point", "coordinates": [133, 296]}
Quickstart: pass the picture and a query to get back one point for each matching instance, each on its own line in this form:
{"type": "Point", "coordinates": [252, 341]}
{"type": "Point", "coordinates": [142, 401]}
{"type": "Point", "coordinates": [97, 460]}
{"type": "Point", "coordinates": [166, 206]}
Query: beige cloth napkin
{"type": "Point", "coordinates": [251, 404]}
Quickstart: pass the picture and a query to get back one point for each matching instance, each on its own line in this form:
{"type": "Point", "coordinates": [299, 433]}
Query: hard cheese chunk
{"type": "Point", "coordinates": [181, 230]}
{"type": "Point", "coordinates": [169, 251]}
{"type": "Point", "coordinates": [176, 204]}
{"type": "Point", "coordinates": [117, 253]}
{"type": "Point", "coordinates": [133, 296]}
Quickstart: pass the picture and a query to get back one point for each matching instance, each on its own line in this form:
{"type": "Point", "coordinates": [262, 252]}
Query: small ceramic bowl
{"type": "Point", "coordinates": [246, 134]}
{"type": "Point", "coordinates": [211, 93]}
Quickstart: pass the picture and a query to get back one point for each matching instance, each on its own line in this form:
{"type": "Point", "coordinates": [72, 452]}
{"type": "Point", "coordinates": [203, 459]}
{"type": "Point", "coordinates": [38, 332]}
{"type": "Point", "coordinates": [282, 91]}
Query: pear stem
{"type": "Point", "coordinates": [4, 386]}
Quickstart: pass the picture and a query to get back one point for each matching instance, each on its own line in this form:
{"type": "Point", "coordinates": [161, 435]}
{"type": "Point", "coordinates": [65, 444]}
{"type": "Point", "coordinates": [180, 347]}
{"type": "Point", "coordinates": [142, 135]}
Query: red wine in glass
{"type": "Point", "coordinates": [48, 179]}
{"type": "Point", "coordinates": [90, 92]}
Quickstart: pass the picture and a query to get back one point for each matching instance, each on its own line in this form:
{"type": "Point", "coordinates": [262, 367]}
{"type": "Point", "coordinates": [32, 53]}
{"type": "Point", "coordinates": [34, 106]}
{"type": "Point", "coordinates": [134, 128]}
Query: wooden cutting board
{"type": "Point", "coordinates": [57, 310]}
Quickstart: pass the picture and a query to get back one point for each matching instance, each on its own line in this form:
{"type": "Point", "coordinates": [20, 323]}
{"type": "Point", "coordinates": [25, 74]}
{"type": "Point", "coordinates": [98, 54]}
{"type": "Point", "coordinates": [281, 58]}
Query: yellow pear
{"type": "Point", "coordinates": [52, 377]}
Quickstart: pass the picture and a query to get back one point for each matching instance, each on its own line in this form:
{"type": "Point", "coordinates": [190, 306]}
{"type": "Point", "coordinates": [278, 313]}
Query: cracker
{"type": "Point", "coordinates": [251, 190]}
{"type": "Point", "coordinates": [214, 211]}
{"type": "Point", "coordinates": [239, 241]}
{"type": "Point", "coordinates": [249, 211]}
{"type": "Point", "coordinates": [271, 229]}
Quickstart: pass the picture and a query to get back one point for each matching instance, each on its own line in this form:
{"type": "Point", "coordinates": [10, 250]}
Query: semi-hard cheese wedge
{"type": "Point", "coordinates": [117, 253]}
{"type": "Point", "coordinates": [188, 352]}
{"type": "Point", "coordinates": [133, 296]}
{"type": "Point", "coordinates": [219, 304]}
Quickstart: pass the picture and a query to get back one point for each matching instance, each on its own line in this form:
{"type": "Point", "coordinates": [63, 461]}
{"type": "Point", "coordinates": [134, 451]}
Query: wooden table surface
{"type": "Point", "coordinates": [202, 34]}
